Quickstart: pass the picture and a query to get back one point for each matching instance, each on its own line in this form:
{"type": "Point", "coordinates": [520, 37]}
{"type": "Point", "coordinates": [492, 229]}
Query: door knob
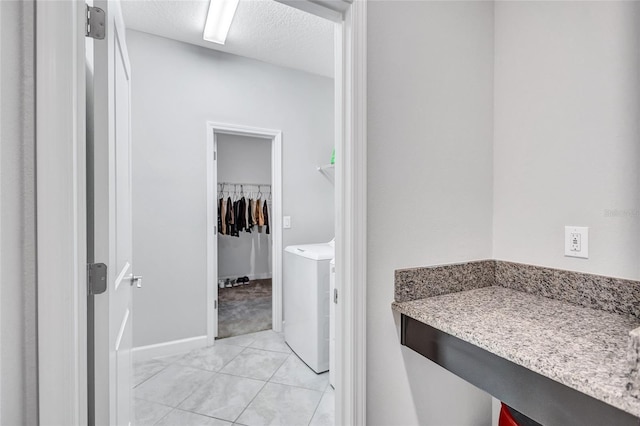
{"type": "Point", "coordinates": [137, 280]}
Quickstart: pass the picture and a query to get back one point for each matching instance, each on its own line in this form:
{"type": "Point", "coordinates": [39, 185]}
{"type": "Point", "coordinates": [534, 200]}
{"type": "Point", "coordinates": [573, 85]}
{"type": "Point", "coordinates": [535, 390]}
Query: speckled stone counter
{"type": "Point", "coordinates": [592, 291]}
{"type": "Point", "coordinates": [585, 349]}
{"type": "Point", "coordinates": [580, 330]}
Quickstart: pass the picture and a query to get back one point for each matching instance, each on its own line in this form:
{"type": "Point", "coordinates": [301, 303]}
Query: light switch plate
{"type": "Point", "coordinates": [286, 222]}
{"type": "Point", "coordinates": [576, 241]}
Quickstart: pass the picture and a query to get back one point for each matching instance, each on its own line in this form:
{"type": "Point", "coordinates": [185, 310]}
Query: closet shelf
{"type": "Point", "coordinates": [243, 183]}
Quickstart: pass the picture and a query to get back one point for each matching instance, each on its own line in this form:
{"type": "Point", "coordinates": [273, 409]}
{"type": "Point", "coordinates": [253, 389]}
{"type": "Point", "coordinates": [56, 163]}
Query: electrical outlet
{"type": "Point", "coordinates": [576, 241]}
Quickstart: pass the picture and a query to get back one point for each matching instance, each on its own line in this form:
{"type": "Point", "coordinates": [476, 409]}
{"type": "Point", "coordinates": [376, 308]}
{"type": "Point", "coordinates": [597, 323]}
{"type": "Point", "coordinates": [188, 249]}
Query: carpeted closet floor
{"type": "Point", "coordinates": [244, 309]}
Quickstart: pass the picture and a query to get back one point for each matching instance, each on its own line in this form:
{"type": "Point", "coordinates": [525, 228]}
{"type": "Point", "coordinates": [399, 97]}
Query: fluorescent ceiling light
{"type": "Point", "coordinates": [219, 20]}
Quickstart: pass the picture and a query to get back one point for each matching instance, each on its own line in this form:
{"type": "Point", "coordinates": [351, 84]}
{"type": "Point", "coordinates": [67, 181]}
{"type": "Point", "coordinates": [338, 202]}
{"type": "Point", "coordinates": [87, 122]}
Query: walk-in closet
{"type": "Point", "coordinates": [244, 235]}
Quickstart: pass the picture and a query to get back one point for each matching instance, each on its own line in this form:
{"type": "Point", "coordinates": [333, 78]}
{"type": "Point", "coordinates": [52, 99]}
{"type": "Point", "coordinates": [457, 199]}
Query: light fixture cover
{"type": "Point", "coordinates": [219, 18]}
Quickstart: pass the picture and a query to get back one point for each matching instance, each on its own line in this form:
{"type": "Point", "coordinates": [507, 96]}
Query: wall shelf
{"type": "Point", "coordinates": [326, 167]}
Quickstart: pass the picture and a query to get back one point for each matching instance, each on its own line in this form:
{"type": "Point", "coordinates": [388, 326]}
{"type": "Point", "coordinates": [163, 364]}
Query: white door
{"type": "Point", "coordinates": [112, 220]}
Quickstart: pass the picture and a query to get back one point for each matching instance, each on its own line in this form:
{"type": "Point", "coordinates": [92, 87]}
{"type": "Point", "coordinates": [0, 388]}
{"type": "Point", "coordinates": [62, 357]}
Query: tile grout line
{"type": "Point", "coordinates": [197, 389]}
{"type": "Point", "coordinates": [201, 414]}
{"type": "Point", "coordinates": [212, 371]}
{"type": "Point", "coordinates": [296, 386]}
{"type": "Point", "coordinates": [215, 377]}
{"type": "Point", "coordinates": [265, 380]}
{"type": "Point", "coordinates": [176, 363]}
{"type": "Point", "coordinates": [261, 389]}
{"type": "Point", "coordinates": [163, 417]}
{"type": "Point", "coordinates": [152, 376]}
{"type": "Point", "coordinates": [318, 405]}
{"type": "Point", "coordinates": [270, 350]}
{"type": "Point", "coordinates": [154, 402]}
{"type": "Point", "coordinates": [216, 374]}
{"type": "Point", "coordinates": [248, 404]}
{"type": "Point", "coordinates": [231, 360]}
{"type": "Point", "coordinates": [315, 411]}
{"type": "Point", "coordinates": [278, 368]}
{"type": "Point", "coordinates": [321, 393]}
{"type": "Point", "coordinates": [320, 402]}
{"type": "Point", "coordinates": [270, 379]}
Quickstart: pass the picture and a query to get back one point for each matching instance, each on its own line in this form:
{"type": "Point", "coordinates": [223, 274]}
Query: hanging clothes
{"type": "Point", "coordinates": [240, 212]}
{"type": "Point", "coordinates": [229, 217]}
{"type": "Point", "coordinates": [223, 216]}
{"type": "Point", "coordinates": [259, 213]}
{"type": "Point", "coordinates": [265, 214]}
{"type": "Point", "coordinates": [250, 213]}
{"type": "Point", "coordinates": [246, 215]}
{"type": "Point", "coordinates": [220, 216]}
{"type": "Point", "coordinates": [234, 218]}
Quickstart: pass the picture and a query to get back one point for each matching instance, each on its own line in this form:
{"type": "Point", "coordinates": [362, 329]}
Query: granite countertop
{"type": "Point", "coordinates": [583, 348]}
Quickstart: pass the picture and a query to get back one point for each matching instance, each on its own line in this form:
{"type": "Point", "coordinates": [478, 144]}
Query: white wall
{"type": "Point", "coordinates": [430, 97]}
{"type": "Point", "coordinates": [176, 88]}
{"type": "Point", "coordinates": [567, 114]}
{"type": "Point", "coordinates": [245, 159]}
{"type": "Point", "coordinates": [18, 350]}
{"type": "Point", "coordinates": [563, 97]}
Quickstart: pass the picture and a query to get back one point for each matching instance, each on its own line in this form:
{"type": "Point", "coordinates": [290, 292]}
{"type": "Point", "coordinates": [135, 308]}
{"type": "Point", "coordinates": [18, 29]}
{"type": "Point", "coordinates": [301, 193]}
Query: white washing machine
{"type": "Point", "coordinates": [306, 302]}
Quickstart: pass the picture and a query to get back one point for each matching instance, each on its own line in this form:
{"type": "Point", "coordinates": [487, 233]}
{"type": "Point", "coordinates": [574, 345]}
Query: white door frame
{"type": "Point", "coordinates": [61, 214]}
{"type": "Point", "coordinates": [214, 129]}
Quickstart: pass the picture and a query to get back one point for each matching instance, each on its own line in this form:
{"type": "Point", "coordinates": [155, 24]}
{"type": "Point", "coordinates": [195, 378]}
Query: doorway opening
{"type": "Point", "coordinates": [222, 163]}
{"type": "Point", "coordinates": [244, 241]}
{"type": "Point", "coordinates": [244, 248]}
{"type": "Point", "coordinates": [63, 391]}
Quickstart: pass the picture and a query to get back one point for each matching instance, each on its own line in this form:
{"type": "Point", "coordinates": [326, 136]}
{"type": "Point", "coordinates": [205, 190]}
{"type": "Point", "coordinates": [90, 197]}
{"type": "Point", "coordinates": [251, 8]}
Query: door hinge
{"type": "Point", "coordinates": [96, 278]}
{"type": "Point", "coordinates": [96, 20]}
{"type": "Point", "coordinates": [215, 304]}
{"type": "Point", "coordinates": [215, 155]}
{"type": "Point", "coordinates": [335, 295]}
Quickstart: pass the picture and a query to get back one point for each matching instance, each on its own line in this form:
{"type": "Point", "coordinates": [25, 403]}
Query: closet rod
{"type": "Point", "coordinates": [243, 183]}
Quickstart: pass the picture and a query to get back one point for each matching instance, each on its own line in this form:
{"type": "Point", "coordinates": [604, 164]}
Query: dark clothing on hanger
{"type": "Point", "coordinates": [240, 214]}
{"type": "Point", "coordinates": [229, 217]}
{"type": "Point", "coordinates": [247, 215]}
{"type": "Point", "coordinates": [223, 214]}
{"type": "Point", "coordinates": [251, 209]}
{"type": "Point", "coordinates": [219, 217]}
{"type": "Point", "coordinates": [265, 213]}
{"type": "Point", "coordinates": [234, 226]}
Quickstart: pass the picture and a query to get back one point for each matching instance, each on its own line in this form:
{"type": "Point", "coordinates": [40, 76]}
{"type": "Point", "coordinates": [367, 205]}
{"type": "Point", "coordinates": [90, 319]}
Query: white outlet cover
{"type": "Point", "coordinates": [286, 222]}
{"type": "Point", "coordinates": [576, 247]}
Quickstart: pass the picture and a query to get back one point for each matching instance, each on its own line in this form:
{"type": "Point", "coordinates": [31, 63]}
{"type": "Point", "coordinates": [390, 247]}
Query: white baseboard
{"type": "Point", "coordinates": [262, 276]}
{"type": "Point", "coordinates": [173, 347]}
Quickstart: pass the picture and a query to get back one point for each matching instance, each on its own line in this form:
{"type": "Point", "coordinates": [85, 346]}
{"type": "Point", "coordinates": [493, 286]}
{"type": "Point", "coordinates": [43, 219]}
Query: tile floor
{"type": "Point", "coordinates": [250, 380]}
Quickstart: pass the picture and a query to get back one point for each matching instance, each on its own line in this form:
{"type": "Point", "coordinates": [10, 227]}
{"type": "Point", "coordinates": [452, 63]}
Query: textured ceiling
{"type": "Point", "coordinates": [262, 29]}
